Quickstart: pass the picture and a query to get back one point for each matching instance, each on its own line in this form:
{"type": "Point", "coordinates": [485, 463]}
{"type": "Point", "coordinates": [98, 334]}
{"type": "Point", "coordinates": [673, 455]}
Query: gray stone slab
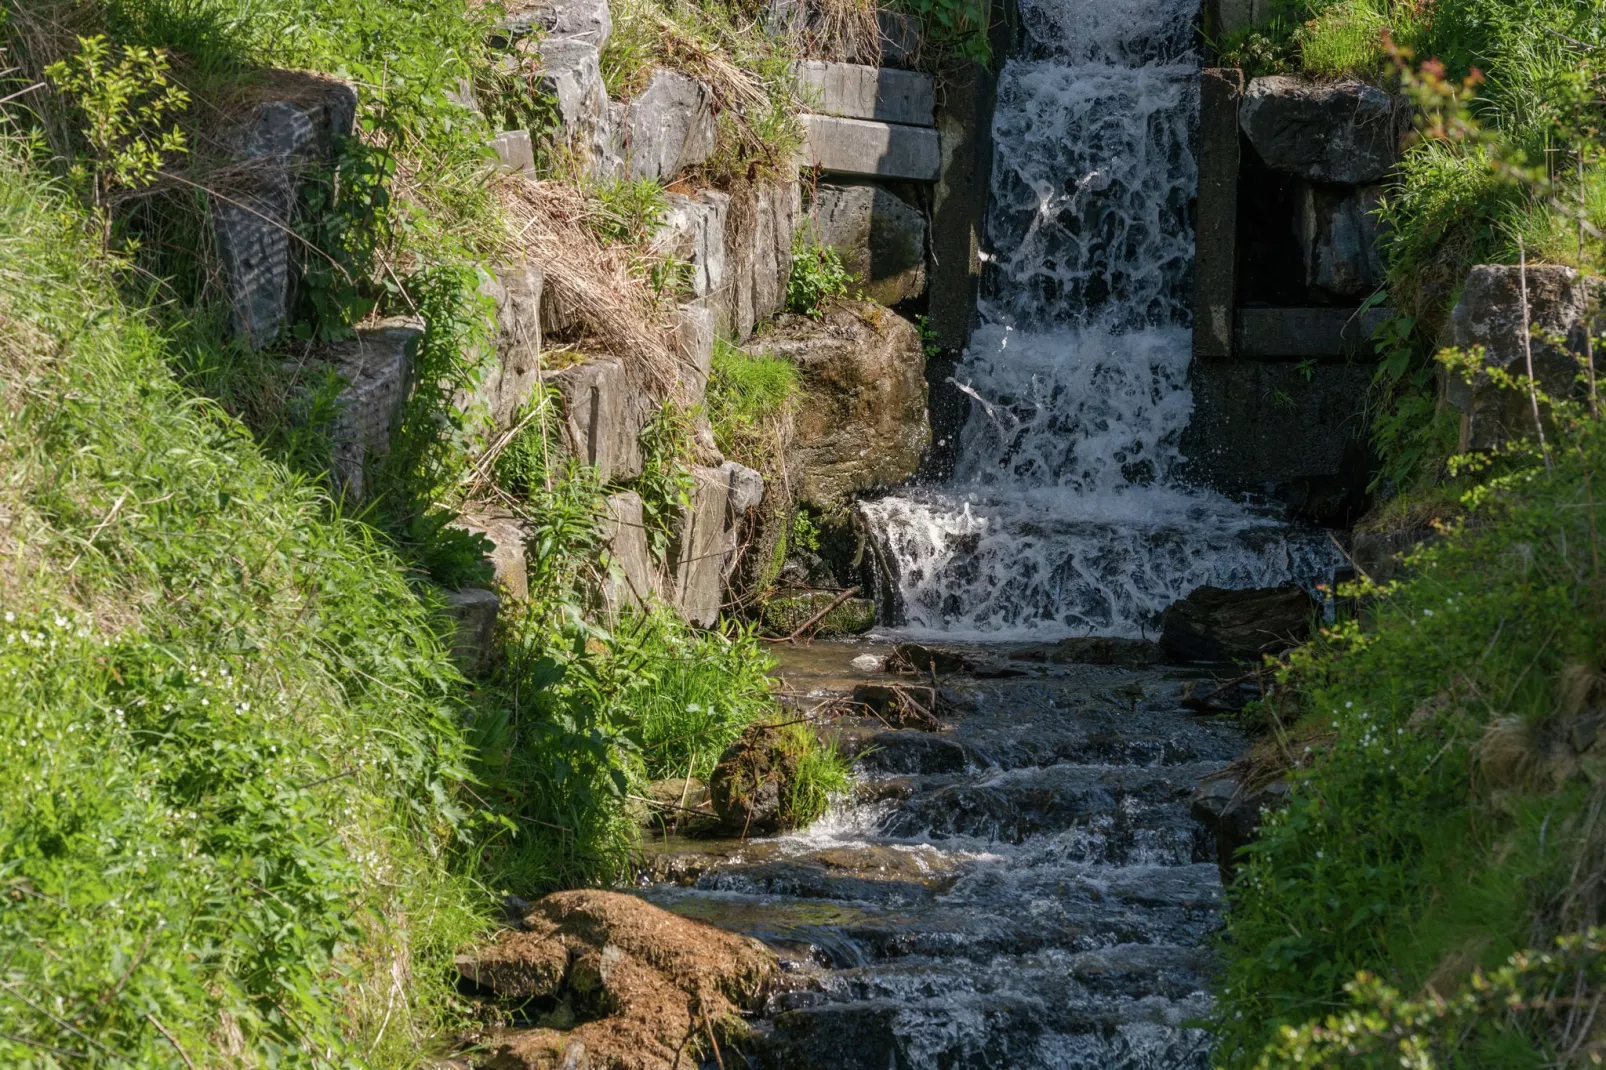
{"type": "Point", "coordinates": [514, 152]}
{"type": "Point", "coordinates": [856, 91]}
{"type": "Point", "coordinates": [376, 366]}
{"type": "Point", "coordinates": [1215, 282]}
{"type": "Point", "coordinates": [510, 376]}
{"type": "Point", "coordinates": [473, 641]}
{"type": "Point", "coordinates": [631, 581]}
{"type": "Point", "coordinates": [509, 567]}
{"type": "Point", "coordinates": [585, 20]}
{"type": "Point", "coordinates": [874, 149]}
{"type": "Point", "coordinates": [667, 128]}
{"type": "Point", "coordinates": [880, 237]}
{"type": "Point", "coordinates": [603, 416]}
{"type": "Point", "coordinates": [1306, 333]}
{"type": "Point", "coordinates": [700, 547]}
{"type": "Point", "coordinates": [1338, 237]}
{"type": "Point", "coordinates": [571, 74]}
{"type": "Point", "coordinates": [694, 352]}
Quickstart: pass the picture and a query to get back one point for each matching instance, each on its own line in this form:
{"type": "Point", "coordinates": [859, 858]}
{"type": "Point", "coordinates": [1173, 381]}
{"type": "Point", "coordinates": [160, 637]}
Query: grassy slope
{"type": "Point", "coordinates": [1449, 814]}
{"type": "Point", "coordinates": [228, 726]}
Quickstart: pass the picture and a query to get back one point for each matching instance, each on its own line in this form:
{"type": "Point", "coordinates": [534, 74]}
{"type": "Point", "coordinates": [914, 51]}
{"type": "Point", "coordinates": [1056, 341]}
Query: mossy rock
{"type": "Point", "coordinates": [785, 614]}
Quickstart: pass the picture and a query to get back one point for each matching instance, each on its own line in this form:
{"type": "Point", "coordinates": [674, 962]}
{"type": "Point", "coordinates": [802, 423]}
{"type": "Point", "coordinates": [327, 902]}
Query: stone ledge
{"type": "Point", "coordinates": [855, 91]}
{"type": "Point", "coordinates": [1305, 333]}
{"type": "Point", "coordinates": [878, 150]}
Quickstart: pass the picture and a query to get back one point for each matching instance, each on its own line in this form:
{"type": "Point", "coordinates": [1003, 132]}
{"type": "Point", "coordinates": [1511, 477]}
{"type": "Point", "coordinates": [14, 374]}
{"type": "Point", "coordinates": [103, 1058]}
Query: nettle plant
{"type": "Point", "coordinates": [125, 100]}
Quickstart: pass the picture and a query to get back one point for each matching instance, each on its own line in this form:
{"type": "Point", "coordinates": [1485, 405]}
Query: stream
{"type": "Point", "coordinates": [1023, 889]}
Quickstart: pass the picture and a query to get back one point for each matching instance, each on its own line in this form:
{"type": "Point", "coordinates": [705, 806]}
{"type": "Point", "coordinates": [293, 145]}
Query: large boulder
{"type": "Point", "coordinates": [666, 128]}
{"type": "Point", "coordinates": [863, 423]}
{"type": "Point", "coordinates": [1215, 624]}
{"type": "Point", "coordinates": [1338, 234]}
{"type": "Point", "coordinates": [1347, 132]}
{"type": "Point", "coordinates": [286, 132]}
{"type": "Point", "coordinates": [632, 974]}
{"type": "Point", "coordinates": [880, 237]}
{"type": "Point", "coordinates": [1490, 314]}
{"type": "Point", "coordinates": [751, 785]}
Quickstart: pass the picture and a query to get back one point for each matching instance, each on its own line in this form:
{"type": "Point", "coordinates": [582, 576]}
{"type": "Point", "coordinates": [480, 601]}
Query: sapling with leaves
{"type": "Point", "coordinates": [125, 100]}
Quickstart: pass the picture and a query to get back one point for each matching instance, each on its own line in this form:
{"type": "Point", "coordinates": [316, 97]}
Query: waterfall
{"type": "Point", "coordinates": [1067, 512]}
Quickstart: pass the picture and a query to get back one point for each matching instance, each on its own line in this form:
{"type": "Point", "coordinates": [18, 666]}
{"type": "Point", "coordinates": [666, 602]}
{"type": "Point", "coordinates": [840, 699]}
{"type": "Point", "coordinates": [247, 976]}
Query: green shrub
{"type": "Point", "coordinates": [1443, 821]}
{"type": "Point", "coordinates": [817, 278]}
{"type": "Point", "coordinates": [229, 726]}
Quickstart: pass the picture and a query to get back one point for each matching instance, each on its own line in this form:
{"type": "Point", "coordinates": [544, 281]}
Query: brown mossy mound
{"type": "Point", "coordinates": [647, 987]}
{"type": "Point", "coordinates": [749, 787]}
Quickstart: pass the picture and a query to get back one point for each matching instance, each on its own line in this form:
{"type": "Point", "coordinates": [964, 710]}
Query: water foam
{"type": "Point", "coordinates": [1067, 512]}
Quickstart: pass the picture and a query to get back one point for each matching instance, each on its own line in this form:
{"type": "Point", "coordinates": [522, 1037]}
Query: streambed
{"type": "Point", "coordinates": [1024, 888]}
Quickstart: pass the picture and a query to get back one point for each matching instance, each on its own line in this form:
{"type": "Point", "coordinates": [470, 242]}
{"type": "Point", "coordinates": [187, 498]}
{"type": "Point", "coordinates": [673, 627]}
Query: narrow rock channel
{"type": "Point", "coordinates": [1024, 888]}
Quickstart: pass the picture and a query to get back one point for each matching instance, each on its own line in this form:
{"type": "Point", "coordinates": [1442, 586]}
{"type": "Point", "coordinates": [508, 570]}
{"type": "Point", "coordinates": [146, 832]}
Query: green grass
{"type": "Point", "coordinates": [1447, 816]}
{"type": "Point", "coordinates": [749, 398]}
{"type": "Point", "coordinates": [231, 737]}
{"type": "Point", "coordinates": [821, 772]}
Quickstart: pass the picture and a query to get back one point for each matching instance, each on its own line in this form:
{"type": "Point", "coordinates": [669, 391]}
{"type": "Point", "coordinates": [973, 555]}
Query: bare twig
{"type": "Point", "coordinates": [1528, 350]}
{"type": "Point", "coordinates": [809, 624]}
{"type": "Point", "coordinates": [171, 1039]}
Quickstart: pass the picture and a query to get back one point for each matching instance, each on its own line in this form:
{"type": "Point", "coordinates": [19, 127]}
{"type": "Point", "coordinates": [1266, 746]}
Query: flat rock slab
{"type": "Point", "coordinates": [856, 91]}
{"type": "Point", "coordinates": [585, 20]}
{"type": "Point", "coordinates": [376, 368]}
{"type": "Point", "coordinates": [1346, 132]}
{"type": "Point", "coordinates": [875, 149]}
{"type": "Point", "coordinates": [880, 237]}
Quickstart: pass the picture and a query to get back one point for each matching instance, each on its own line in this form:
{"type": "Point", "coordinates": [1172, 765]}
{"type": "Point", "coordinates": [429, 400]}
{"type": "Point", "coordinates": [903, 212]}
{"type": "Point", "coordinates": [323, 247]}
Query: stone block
{"type": "Point", "coordinates": [1320, 333]}
{"type": "Point", "coordinates": [571, 74]}
{"type": "Point", "coordinates": [694, 351]}
{"type": "Point", "coordinates": [1215, 282]}
{"type": "Point", "coordinates": [863, 423]}
{"type": "Point", "coordinates": [1338, 236]}
{"type": "Point", "coordinates": [1346, 132]}
{"type": "Point", "coordinates": [288, 132]}
{"type": "Point", "coordinates": [758, 250]}
{"type": "Point", "coordinates": [632, 580]}
{"type": "Point", "coordinates": [474, 610]}
{"type": "Point", "coordinates": [514, 151]}
{"type": "Point", "coordinates": [583, 20]}
{"type": "Point", "coordinates": [864, 147]}
{"type": "Point", "coordinates": [511, 375]}
{"type": "Point", "coordinates": [699, 548]}
{"type": "Point", "coordinates": [667, 128]}
{"type": "Point", "coordinates": [509, 569]}
{"type": "Point", "coordinates": [1489, 314]}
{"type": "Point", "coordinates": [693, 232]}
{"type": "Point", "coordinates": [376, 368]}
{"type": "Point", "coordinates": [746, 493]}
{"type": "Point", "coordinates": [880, 237]}
{"type": "Point", "coordinates": [856, 91]}
{"type": "Point", "coordinates": [603, 416]}
{"type": "Point", "coordinates": [1265, 427]}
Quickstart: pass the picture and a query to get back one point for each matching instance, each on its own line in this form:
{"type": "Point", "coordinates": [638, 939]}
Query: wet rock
{"type": "Point", "coordinates": [903, 705]}
{"type": "Point", "coordinates": [624, 976]}
{"type": "Point", "coordinates": [912, 752]}
{"type": "Point", "coordinates": [1346, 132]}
{"type": "Point", "coordinates": [1213, 624]}
{"type": "Point", "coordinates": [603, 416]}
{"type": "Point", "coordinates": [785, 614]}
{"type": "Point", "coordinates": [864, 422]}
{"type": "Point", "coordinates": [1212, 697]}
{"type": "Point", "coordinates": [1232, 810]}
{"type": "Point", "coordinates": [880, 238]}
{"type": "Point", "coordinates": [667, 128]}
{"type": "Point", "coordinates": [749, 786]}
{"type": "Point", "coordinates": [1489, 314]}
{"type": "Point", "coordinates": [1095, 650]}
{"type": "Point", "coordinates": [868, 663]}
{"type": "Point", "coordinates": [474, 610]}
{"type": "Point", "coordinates": [675, 802]}
{"type": "Point", "coordinates": [1338, 235]}
{"type": "Point", "coordinates": [506, 536]}
{"type": "Point", "coordinates": [281, 138]}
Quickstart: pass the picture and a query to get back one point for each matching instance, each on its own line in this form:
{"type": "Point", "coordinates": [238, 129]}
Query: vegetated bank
{"type": "Point", "coordinates": [252, 803]}
{"type": "Point", "coordinates": [1431, 894]}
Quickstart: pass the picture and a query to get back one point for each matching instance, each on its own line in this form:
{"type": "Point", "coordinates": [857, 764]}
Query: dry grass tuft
{"type": "Point", "coordinates": [588, 286]}
{"type": "Point", "coordinates": [843, 31]}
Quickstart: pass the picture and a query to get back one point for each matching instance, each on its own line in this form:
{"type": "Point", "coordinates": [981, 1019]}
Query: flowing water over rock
{"type": "Point", "coordinates": [1065, 512]}
{"type": "Point", "coordinates": [1023, 890]}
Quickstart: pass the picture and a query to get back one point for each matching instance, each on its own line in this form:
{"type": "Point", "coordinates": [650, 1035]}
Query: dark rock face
{"type": "Point", "coordinates": [880, 238]}
{"type": "Point", "coordinates": [1233, 811]}
{"type": "Point", "coordinates": [863, 423]}
{"type": "Point", "coordinates": [1095, 650]}
{"type": "Point", "coordinates": [1338, 236]}
{"type": "Point", "coordinates": [1347, 132]}
{"type": "Point", "coordinates": [1489, 314]}
{"type": "Point", "coordinates": [1213, 624]}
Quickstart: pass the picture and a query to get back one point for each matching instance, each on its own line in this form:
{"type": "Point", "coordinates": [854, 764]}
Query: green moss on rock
{"type": "Point", "coordinates": [785, 614]}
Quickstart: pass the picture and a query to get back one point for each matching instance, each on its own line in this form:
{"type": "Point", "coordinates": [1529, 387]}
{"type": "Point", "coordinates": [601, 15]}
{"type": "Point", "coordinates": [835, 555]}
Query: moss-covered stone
{"type": "Point", "coordinates": [785, 614]}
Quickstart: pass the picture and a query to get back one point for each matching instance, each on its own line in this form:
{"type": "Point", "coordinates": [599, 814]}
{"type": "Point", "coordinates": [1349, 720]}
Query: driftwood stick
{"type": "Point", "coordinates": [814, 620]}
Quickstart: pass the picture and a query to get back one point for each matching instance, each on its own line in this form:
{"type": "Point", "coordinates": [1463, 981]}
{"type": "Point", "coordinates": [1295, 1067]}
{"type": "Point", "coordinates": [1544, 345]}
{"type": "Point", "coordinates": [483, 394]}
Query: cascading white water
{"type": "Point", "coordinates": [1066, 512]}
